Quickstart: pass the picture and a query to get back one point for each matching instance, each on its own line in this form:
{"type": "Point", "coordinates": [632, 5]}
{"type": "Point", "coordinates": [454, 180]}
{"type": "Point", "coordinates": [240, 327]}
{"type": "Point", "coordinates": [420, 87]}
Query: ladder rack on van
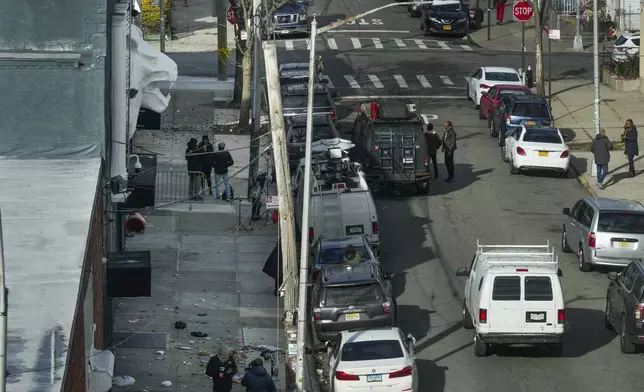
{"type": "Point", "coordinates": [549, 259]}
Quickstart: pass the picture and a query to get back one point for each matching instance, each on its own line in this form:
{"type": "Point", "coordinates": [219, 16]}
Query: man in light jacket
{"type": "Point", "coordinates": [601, 151]}
{"type": "Point", "coordinates": [449, 146]}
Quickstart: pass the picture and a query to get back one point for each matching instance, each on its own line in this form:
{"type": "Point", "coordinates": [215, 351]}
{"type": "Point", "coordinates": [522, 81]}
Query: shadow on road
{"type": "Point", "coordinates": [414, 320]}
{"type": "Point", "coordinates": [431, 377]}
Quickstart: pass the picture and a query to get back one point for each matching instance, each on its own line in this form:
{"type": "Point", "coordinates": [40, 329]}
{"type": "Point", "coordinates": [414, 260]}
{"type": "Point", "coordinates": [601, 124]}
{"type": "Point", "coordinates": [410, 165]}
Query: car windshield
{"type": "Point", "coordinates": [505, 93]}
{"type": "Point", "coordinates": [621, 222]}
{"type": "Point", "coordinates": [534, 136]}
{"type": "Point", "coordinates": [455, 7]}
{"type": "Point", "coordinates": [502, 76]}
{"type": "Point", "coordinates": [371, 350]}
{"type": "Point", "coordinates": [320, 132]}
{"type": "Point", "coordinates": [336, 255]}
{"type": "Point", "coordinates": [530, 110]}
{"type": "Point", "coordinates": [353, 295]}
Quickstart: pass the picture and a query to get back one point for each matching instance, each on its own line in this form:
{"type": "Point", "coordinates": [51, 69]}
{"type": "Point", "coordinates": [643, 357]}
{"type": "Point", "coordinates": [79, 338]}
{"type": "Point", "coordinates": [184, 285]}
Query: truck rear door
{"type": "Point", "coordinates": [398, 147]}
{"type": "Point", "coordinates": [539, 305]}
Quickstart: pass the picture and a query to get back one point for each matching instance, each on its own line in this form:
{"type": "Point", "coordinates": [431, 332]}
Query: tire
{"type": "Point", "coordinates": [481, 349]}
{"type": "Point", "coordinates": [422, 190]}
{"type": "Point", "coordinates": [481, 115]}
{"type": "Point", "coordinates": [476, 105]}
{"type": "Point", "coordinates": [607, 323]}
{"type": "Point", "coordinates": [498, 133]}
{"type": "Point", "coordinates": [556, 350]}
{"type": "Point", "coordinates": [513, 170]}
{"type": "Point", "coordinates": [625, 345]}
{"type": "Point", "coordinates": [564, 243]}
{"type": "Point", "coordinates": [467, 318]}
{"type": "Point", "coordinates": [583, 266]}
{"type": "Point", "coordinates": [490, 126]}
{"type": "Point", "coordinates": [503, 156]}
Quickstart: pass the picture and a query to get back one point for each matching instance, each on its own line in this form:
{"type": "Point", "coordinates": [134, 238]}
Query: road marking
{"type": "Point", "coordinates": [289, 45]}
{"type": "Point", "coordinates": [399, 42]}
{"type": "Point", "coordinates": [447, 80]}
{"type": "Point", "coordinates": [368, 97]}
{"type": "Point", "coordinates": [466, 47]}
{"type": "Point", "coordinates": [376, 82]}
{"type": "Point", "coordinates": [401, 81]}
{"type": "Point", "coordinates": [356, 43]}
{"type": "Point", "coordinates": [352, 82]}
{"type": "Point", "coordinates": [368, 31]}
{"type": "Point", "coordinates": [423, 80]}
{"type": "Point", "coordinates": [443, 45]}
{"type": "Point", "coordinates": [377, 43]}
{"type": "Point", "coordinates": [308, 44]}
{"type": "Point", "coordinates": [331, 43]}
{"type": "Point", "coordinates": [420, 43]}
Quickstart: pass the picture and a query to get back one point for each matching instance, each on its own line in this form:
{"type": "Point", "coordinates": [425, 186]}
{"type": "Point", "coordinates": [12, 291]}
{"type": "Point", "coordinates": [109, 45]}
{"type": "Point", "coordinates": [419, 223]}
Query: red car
{"type": "Point", "coordinates": [491, 99]}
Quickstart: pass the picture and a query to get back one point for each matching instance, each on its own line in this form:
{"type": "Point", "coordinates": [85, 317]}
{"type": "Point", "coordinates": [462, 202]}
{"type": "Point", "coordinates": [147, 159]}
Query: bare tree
{"type": "Point", "coordinates": [540, 9]}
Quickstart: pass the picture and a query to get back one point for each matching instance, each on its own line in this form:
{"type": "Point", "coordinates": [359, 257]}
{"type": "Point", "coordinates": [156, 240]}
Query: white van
{"type": "Point", "coordinates": [513, 296]}
{"type": "Point", "coordinates": [341, 202]}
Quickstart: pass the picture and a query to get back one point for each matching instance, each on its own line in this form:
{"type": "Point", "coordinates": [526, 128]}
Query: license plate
{"type": "Point", "coordinates": [374, 377]}
{"type": "Point", "coordinates": [447, 28]}
{"type": "Point", "coordinates": [535, 317]}
{"type": "Point", "coordinates": [624, 244]}
{"type": "Point", "coordinates": [530, 123]}
{"type": "Point", "coordinates": [355, 230]}
{"type": "Point", "coordinates": [352, 316]}
{"type": "Point", "coordinates": [543, 153]}
{"type": "Point", "coordinates": [408, 160]}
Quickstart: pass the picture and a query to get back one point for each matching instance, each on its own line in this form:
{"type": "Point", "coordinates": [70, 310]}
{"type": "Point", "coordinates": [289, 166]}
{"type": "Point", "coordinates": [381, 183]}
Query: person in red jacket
{"type": "Point", "coordinates": [500, 11]}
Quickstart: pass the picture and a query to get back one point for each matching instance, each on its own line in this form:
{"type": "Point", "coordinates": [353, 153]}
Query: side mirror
{"type": "Point", "coordinates": [612, 275]}
{"type": "Point", "coordinates": [389, 275]}
{"type": "Point", "coordinates": [463, 271]}
{"type": "Point", "coordinates": [566, 211]}
{"type": "Point", "coordinates": [559, 273]}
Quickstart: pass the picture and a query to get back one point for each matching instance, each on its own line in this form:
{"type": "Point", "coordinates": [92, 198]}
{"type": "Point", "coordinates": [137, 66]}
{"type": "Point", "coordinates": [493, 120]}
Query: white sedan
{"type": "Point", "coordinates": [536, 149]}
{"type": "Point", "coordinates": [374, 360]}
{"type": "Point", "coordinates": [486, 77]}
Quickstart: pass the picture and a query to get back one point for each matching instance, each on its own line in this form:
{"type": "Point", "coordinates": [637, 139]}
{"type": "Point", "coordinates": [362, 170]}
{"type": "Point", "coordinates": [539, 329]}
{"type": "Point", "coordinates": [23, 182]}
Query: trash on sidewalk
{"type": "Point", "coordinates": [160, 352]}
{"type": "Point", "coordinates": [198, 334]}
{"type": "Point", "coordinates": [166, 384]}
{"type": "Point", "coordinates": [123, 381]}
{"type": "Point", "coordinates": [180, 325]}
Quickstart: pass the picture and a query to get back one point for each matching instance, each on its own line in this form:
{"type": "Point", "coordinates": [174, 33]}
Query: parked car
{"type": "Point", "coordinates": [625, 306]}
{"type": "Point", "coordinates": [290, 19]}
{"type": "Point", "coordinates": [354, 296]}
{"type": "Point", "coordinates": [445, 17]}
{"type": "Point", "coordinates": [484, 78]}
{"type": "Point", "coordinates": [626, 46]}
{"type": "Point", "coordinates": [520, 110]}
{"type": "Point", "coordinates": [330, 251]}
{"type": "Point", "coordinates": [491, 99]}
{"type": "Point", "coordinates": [323, 128]}
{"type": "Point", "coordinates": [536, 149]}
{"type": "Point", "coordinates": [382, 359]}
{"type": "Point", "coordinates": [606, 232]}
{"type": "Point", "coordinates": [295, 97]}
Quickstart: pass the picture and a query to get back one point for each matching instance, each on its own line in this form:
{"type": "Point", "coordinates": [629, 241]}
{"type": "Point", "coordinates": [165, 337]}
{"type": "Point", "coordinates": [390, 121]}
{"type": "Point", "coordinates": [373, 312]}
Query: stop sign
{"type": "Point", "coordinates": [522, 11]}
{"type": "Point", "coordinates": [230, 15]}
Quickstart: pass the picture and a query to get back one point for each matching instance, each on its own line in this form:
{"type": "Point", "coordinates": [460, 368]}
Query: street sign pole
{"type": "Point", "coordinates": [522, 12]}
{"type": "Point", "coordinates": [523, 46]}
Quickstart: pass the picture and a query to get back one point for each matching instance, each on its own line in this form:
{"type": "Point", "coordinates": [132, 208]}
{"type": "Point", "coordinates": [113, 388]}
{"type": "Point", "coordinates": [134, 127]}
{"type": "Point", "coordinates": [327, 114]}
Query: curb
{"type": "Point", "coordinates": [583, 181]}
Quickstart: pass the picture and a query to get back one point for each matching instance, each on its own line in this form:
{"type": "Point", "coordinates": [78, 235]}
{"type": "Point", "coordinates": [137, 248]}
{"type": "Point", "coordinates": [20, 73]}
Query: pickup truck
{"type": "Point", "coordinates": [294, 100]}
{"type": "Point", "coordinates": [290, 19]}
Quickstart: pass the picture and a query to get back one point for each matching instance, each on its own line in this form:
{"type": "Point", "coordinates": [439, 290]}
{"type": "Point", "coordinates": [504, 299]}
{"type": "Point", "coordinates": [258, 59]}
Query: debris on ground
{"type": "Point", "coordinates": [180, 325]}
{"type": "Point", "coordinates": [123, 381]}
{"type": "Point", "coordinates": [166, 384]}
{"type": "Point", "coordinates": [198, 334]}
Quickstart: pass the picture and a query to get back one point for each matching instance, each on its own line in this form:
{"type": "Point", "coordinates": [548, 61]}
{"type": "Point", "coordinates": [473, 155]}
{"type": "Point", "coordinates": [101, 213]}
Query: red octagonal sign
{"type": "Point", "coordinates": [522, 11]}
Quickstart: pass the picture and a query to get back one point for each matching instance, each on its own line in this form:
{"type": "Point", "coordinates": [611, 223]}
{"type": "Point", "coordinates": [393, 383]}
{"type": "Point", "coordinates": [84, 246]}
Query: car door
{"type": "Point", "coordinates": [471, 281]}
{"type": "Point", "coordinates": [486, 101]}
{"type": "Point", "coordinates": [572, 225]}
{"type": "Point", "coordinates": [585, 222]}
{"type": "Point", "coordinates": [474, 83]}
{"type": "Point", "coordinates": [625, 281]}
{"type": "Point", "coordinates": [575, 232]}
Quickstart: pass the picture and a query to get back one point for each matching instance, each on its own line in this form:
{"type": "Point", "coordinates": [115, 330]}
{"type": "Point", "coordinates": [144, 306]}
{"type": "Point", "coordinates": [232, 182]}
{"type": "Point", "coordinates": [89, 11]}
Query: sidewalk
{"type": "Point", "coordinates": [208, 274]}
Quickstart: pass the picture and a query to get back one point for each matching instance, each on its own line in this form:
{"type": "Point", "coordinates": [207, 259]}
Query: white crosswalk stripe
{"type": "Point", "coordinates": [356, 43]}
{"type": "Point", "coordinates": [420, 43]}
{"type": "Point", "coordinates": [447, 80]}
{"type": "Point", "coordinates": [332, 44]}
{"type": "Point", "coordinates": [423, 81]}
{"type": "Point", "coordinates": [289, 45]}
{"type": "Point", "coordinates": [352, 82]}
{"type": "Point", "coordinates": [376, 82]}
{"type": "Point", "coordinates": [443, 45]}
{"type": "Point", "coordinates": [466, 47]}
{"type": "Point", "coordinates": [401, 81]}
{"type": "Point", "coordinates": [377, 43]}
{"type": "Point", "coordinates": [399, 42]}
{"type": "Point", "coordinates": [308, 44]}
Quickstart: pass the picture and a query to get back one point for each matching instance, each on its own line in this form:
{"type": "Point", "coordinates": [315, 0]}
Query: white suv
{"type": "Point", "coordinates": [626, 45]}
{"type": "Point", "coordinates": [513, 296]}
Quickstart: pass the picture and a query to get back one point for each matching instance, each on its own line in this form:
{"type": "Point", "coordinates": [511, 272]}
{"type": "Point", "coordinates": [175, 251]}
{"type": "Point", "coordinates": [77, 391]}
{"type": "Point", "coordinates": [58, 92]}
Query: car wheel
{"type": "Point", "coordinates": [513, 170]}
{"type": "Point", "coordinates": [625, 345]}
{"type": "Point", "coordinates": [564, 242]}
{"type": "Point", "coordinates": [498, 133]}
{"type": "Point", "coordinates": [490, 126]}
{"type": "Point", "coordinates": [556, 350]}
{"type": "Point", "coordinates": [481, 349]}
{"type": "Point", "coordinates": [504, 157]}
{"type": "Point", "coordinates": [422, 187]}
{"type": "Point", "coordinates": [607, 323]}
{"type": "Point", "coordinates": [476, 105]}
{"type": "Point", "coordinates": [481, 115]}
{"type": "Point", "coordinates": [583, 265]}
{"type": "Point", "coordinates": [467, 318]}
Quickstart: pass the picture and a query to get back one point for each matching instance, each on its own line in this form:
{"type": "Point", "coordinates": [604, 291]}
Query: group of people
{"type": "Point", "coordinates": [202, 159]}
{"type": "Point", "coordinates": [602, 146]}
{"type": "Point", "coordinates": [222, 368]}
{"type": "Point", "coordinates": [447, 144]}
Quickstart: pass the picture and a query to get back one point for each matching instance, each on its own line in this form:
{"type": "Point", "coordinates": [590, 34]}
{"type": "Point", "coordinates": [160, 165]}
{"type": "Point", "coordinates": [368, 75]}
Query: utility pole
{"type": "Point", "coordinates": [577, 43]}
{"type": "Point", "coordinates": [4, 294]}
{"type": "Point", "coordinates": [596, 65]}
{"type": "Point", "coordinates": [162, 25]}
{"type": "Point", "coordinates": [282, 172]}
{"type": "Point", "coordinates": [219, 10]}
{"type": "Point", "coordinates": [255, 115]}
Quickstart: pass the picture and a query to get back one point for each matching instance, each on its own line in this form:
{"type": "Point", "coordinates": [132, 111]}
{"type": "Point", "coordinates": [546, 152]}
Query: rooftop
{"type": "Point", "coordinates": [46, 209]}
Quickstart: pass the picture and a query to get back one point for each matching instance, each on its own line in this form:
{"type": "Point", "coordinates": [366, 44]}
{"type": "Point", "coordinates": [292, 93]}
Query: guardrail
{"type": "Point", "coordinates": [178, 186]}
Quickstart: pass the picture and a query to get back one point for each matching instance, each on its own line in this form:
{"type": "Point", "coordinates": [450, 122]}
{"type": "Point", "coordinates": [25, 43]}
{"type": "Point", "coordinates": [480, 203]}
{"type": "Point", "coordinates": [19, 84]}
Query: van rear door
{"type": "Point", "coordinates": [539, 305]}
{"type": "Point", "coordinates": [355, 213]}
{"type": "Point", "coordinates": [506, 313]}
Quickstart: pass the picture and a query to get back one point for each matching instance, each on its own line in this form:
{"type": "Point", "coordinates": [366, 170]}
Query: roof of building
{"type": "Point", "coordinates": [46, 211]}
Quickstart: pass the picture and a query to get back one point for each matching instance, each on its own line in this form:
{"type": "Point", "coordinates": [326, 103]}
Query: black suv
{"type": "Point", "coordinates": [351, 296]}
{"type": "Point", "coordinates": [517, 110]}
{"type": "Point", "coordinates": [625, 306]}
{"type": "Point", "coordinates": [323, 128]}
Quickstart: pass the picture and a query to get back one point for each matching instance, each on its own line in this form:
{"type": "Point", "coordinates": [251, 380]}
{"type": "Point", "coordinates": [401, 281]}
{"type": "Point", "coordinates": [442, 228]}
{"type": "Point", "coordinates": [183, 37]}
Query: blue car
{"type": "Point", "coordinates": [290, 19]}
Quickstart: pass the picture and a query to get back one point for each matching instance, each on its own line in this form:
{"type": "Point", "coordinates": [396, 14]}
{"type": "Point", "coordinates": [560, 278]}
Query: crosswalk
{"type": "Point", "coordinates": [393, 82]}
{"type": "Point", "coordinates": [353, 43]}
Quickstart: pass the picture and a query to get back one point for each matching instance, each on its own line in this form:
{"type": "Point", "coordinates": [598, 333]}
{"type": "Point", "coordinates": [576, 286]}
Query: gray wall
{"type": "Point", "coordinates": [52, 110]}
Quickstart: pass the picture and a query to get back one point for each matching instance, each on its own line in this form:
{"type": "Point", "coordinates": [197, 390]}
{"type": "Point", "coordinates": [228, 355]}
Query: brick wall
{"type": "Point", "coordinates": [75, 377]}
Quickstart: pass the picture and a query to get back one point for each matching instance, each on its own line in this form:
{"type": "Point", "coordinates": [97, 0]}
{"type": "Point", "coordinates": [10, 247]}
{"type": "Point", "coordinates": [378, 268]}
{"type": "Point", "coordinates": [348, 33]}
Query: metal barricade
{"type": "Point", "coordinates": [174, 186]}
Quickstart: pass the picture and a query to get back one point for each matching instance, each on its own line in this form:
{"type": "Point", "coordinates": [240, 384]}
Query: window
{"type": "Point", "coordinates": [621, 222]}
{"type": "Point", "coordinates": [517, 134]}
{"type": "Point", "coordinates": [581, 212]}
{"type": "Point", "coordinates": [371, 350]}
{"type": "Point", "coordinates": [530, 110]}
{"type": "Point", "coordinates": [621, 40]}
{"type": "Point", "coordinates": [575, 209]}
{"type": "Point", "coordinates": [627, 278]}
{"type": "Point", "coordinates": [454, 7]}
{"type": "Point", "coordinates": [510, 92]}
{"type": "Point", "coordinates": [587, 218]}
{"type": "Point", "coordinates": [353, 295]}
{"type": "Point", "coordinates": [506, 288]}
{"type": "Point", "coordinates": [480, 284]}
{"type": "Point", "coordinates": [638, 286]}
{"type": "Point", "coordinates": [537, 288]}
{"type": "Point", "coordinates": [533, 136]}
{"type": "Point", "coordinates": [336, 255]}
{"type": "Point", "coordinates": [491, 92]}
{"type": "Point", "coordinates": [502, 76]}
{"type": "Point", "coordinates": [478, 74]}
{"type": "Point", "coordinates": [636, 42]}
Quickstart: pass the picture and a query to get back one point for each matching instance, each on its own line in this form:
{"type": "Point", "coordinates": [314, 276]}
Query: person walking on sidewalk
{"type": "Point", "coordinates": [601, 152]}
{"type": "Point", "coordinates": [449, 146]}
{"type": "Point", "coordinates": [631, 148]}
{"type": "Point", "coordinates": [433, 142]}
{"type": "Point", "coordinates": [257, 378]}
{"type": "Point", "coordinates": [222, 368]}
{"type": "Point", "coordinates": [194, 170]}
{"type": "Point", "coordinates": [221, 162]}
{"type": "Point", "coordinates": [206, 150]}
{"type": "Point", "coordinates": [500, 11]}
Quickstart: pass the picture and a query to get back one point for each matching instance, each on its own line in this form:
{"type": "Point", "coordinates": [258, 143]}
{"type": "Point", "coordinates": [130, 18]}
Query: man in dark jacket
{"type": "Point", "coordinates": [601, 151]}
{"type": "Point", "coordinates": [449, 146]}
{"type": "Point", "coordinates": [258, 379]}
{"type": "Point", "coordinates": [206, 151]}
{"type": "Point", "coordinates": [222, 368]}
{"type": "Point", "coordinates": [222, 160]}
{"type": "Point", "coordinates": [433, 142]}
{"type": "Point", "coordinates": [194, 170]}
{"type": "Point", "coordinates": [631, 148]}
